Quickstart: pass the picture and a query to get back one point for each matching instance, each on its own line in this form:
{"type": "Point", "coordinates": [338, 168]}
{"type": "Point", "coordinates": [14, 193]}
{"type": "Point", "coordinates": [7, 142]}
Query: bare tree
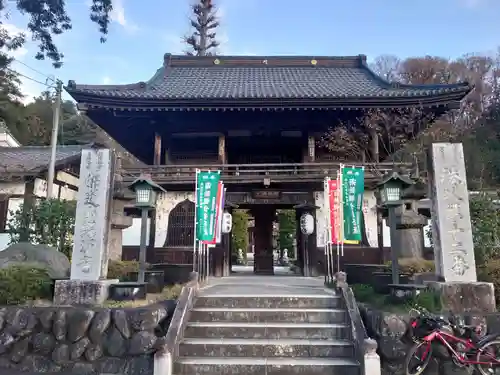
{"type": "Point", "coordinates": [387, 67]}
{"type": "Point", "coordinates": [202, 42]}
{"type": "Point", "coordinates": [392, 129]}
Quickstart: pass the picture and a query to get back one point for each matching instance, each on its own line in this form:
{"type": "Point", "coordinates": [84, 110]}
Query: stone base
{"type": "Point", "coordinates": [81, 292]}
{"type": "Point", "coordinates": [465, 297]}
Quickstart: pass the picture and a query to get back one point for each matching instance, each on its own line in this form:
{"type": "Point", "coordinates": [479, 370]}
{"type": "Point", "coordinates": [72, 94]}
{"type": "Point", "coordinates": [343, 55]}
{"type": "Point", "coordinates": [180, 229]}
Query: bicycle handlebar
{"type": "Point", "coordinates": [452, 320]}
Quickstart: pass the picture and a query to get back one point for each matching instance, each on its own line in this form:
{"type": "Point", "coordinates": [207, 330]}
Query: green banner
{"type": "Point", "coordinates": [206, 204]}
{"type": "Point", "coordinates": [353, 187]}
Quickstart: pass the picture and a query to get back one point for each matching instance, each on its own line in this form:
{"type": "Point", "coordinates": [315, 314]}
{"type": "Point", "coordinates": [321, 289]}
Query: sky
{"type": "Point", "coordinates": [143, 31]}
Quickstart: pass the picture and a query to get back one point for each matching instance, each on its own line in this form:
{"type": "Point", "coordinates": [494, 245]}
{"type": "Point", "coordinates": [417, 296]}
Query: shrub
{"type": "Point", "coordinates": [47, 221]}
{"type": "Point", "coordinates": [239, 235]}
{"type": "Point", "coordinates": [411, 266]}
{"type": "Point", "coordinates": [485, 228]}
{"type": "Point", "coordinates": [22, 283]}
{"type": "Point", "coordinates": [121, 269]}
{"type": "Point", "coordinates": [490, 272]}
{"type": "Point", "coordinates": [362, 292]}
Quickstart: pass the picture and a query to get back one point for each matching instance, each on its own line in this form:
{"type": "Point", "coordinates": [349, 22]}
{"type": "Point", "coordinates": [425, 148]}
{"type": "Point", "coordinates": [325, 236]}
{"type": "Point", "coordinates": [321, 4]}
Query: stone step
{"type": "Point", "coordinates": [268, 315]}
{"type": "Point", "coordinates": [264, 301]}
{"type": "Point", "coordinates": [266, 348]}
{"type": "Point", "coordinates": [277, 330]}
{"type": "Point", "coordinates": [265, 366]}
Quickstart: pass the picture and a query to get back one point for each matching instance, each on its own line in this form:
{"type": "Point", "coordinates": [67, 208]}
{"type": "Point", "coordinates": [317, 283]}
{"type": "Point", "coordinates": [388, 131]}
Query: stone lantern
{"type": "Point", "coordinates": [409, 223]}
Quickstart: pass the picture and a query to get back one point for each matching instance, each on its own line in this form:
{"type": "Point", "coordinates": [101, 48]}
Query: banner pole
{"type": "Point", "coordinates": [338, 218]}
{"type": "Point", "coordinates": [326, 208]}
{"type": "Point", "coordinates": [341, 211]}
{"type": "Point", "coordinates": [195, 218]}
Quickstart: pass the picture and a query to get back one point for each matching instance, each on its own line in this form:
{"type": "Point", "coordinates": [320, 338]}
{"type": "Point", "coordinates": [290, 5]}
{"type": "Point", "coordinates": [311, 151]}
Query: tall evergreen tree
{"type": "Point", "coordinates": [202, 42]}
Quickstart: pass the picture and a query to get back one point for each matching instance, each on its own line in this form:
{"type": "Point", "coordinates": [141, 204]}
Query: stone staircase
{"type": "Point", "coordinates": [267, 335]}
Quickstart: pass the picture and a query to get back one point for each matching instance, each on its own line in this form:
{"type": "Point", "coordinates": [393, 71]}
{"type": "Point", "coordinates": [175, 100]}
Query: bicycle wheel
{"type": "Point", "coordinates": [489, 353]}
{"type": "Point", "coordinates": [418, 358]}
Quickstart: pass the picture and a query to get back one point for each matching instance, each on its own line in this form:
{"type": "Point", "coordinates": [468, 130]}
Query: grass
{"type": "Point", "coordinates": [168, 293]}
{"type": "Point", "coordinates": [366, 294]}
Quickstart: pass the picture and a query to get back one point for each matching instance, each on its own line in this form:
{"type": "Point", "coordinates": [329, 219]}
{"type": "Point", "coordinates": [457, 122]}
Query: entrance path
{"type": "Point", "coordinates": [258, 286]}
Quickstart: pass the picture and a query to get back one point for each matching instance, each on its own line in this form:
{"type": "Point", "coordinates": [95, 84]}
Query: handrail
{"type": "Point", "coordinates": [279, 165]}
{"type": "Point", "coordinates": [236, 173]}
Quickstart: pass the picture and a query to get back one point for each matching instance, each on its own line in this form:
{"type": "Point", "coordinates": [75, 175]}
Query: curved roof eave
{"type": "Point", "coordinates": [96, 100]}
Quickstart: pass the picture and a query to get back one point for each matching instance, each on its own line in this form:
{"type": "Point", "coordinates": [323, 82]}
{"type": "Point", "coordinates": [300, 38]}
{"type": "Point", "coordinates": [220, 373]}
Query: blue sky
{"type": "Point", "coordinates": [142, 31]}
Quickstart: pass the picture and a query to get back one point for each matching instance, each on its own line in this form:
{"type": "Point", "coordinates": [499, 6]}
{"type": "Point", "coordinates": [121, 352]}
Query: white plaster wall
{"type": "Point", "coordinates": [369, 210]}
{"type": "Point", "coordinates": [132, 235]}
{"type": "Point", "coordinates": [370, 216]}
{"type": "Point", "coordinates": [7, 140]}
{"type": "Point", "coordinates": [319, 201]}
{"type": "Point", "coordinates": [165, 203]}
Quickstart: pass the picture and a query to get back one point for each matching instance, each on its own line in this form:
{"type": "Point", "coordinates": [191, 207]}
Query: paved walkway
{"type": "Point", "coordinates": [257, 286]}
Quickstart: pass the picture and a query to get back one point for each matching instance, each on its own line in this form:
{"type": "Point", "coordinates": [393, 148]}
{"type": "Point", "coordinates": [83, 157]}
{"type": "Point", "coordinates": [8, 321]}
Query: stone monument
{"type": "Point", "coordinates": [89, 261]}
{"type": "Point", "coordinates": [451, 226]}
{"type": "Point", "coordinates": [452, 233]}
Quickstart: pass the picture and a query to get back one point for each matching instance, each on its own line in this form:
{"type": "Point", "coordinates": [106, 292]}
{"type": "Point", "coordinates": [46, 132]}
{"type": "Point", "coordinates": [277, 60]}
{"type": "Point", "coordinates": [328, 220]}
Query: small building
{"type": "Point", "coordinates": [258, 120]}
{"type": "Point", "coordinates": [23, 171]}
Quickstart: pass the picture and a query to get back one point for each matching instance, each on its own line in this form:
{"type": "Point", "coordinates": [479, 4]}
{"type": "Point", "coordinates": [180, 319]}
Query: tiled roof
{"type": "Point", "coordinates": [248, 78]}
{"type": "Point", "coordinates": [35, 159]}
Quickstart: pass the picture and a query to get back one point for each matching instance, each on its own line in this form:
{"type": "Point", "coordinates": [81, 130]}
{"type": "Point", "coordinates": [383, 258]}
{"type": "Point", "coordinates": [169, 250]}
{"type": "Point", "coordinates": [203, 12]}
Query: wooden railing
{"type": "Point", "coordinates": [255, 173]}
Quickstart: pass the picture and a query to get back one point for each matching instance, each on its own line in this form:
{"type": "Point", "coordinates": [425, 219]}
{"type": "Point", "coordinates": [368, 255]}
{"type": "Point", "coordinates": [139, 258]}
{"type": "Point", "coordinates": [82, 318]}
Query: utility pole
{"type": "Point", "coordinates": [53, 140]}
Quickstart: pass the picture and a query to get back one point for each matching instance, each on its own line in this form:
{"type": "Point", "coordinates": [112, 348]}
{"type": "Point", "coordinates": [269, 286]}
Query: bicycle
{"type": "Point", "coordinates": [437, 337]}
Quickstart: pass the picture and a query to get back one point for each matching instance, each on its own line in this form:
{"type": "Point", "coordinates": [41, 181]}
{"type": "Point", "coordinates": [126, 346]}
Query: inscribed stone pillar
{"type": "Point", "coordinates": [87, 284]}
{"type": "Point", "coordinates": [92, 215]}
{"type": "Point", "coordinates": [451, 226]}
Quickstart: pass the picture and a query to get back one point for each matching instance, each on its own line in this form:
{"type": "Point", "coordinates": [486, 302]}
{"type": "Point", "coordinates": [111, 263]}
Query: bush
{"type": "Point", "coordinates": [411, 266]}
{"type": "Point", "coordinates": [490, 272]}
{"type": "Point", "coordinates": [485, 228]}
{"type": "Point", "coordinates": [22, 283]}
{"type": "Point", "coordinates": [121, 269]}
{"type": "Point", "coordinates": [48, 222]}
{"type": "Point", "coordinates": [239, 235]}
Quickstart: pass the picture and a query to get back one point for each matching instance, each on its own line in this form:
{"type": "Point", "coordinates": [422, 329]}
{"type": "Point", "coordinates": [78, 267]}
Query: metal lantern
{"type": "Point", "coordinates": [391, 187]}
{"type": "Point", "coordinates": [307, 224]}
{"type": "Point", "coordinates": [227, 222]}
{"type": "Point", "coordinates": [145, 192]}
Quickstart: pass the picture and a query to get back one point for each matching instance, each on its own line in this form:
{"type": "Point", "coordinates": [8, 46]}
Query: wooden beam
{"type": "Point", "coordinates": [157, 155]}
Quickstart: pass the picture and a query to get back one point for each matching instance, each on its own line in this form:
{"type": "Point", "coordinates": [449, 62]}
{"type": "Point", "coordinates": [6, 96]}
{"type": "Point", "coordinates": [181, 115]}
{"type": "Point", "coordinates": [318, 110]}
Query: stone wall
{"type": "Point", "coordinates": [388, 328]}
{"type": "Point", "coordinates": [82, 340]}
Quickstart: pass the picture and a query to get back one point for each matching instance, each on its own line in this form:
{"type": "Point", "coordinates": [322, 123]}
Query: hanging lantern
{"type": "Point", "coordinates": [307, 224]}
{"type": "Point", "coordinates": [227, 222]}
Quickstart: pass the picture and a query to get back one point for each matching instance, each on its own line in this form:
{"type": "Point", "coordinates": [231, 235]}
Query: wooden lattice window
{"type": "Point", "coordinates": [180, 231]}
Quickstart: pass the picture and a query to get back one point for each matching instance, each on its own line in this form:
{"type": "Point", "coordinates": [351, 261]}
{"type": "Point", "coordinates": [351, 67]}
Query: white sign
{"type": "Point", "coordinates": [91, 222]}
{"type": "Point", "coordinates": [451, 226]}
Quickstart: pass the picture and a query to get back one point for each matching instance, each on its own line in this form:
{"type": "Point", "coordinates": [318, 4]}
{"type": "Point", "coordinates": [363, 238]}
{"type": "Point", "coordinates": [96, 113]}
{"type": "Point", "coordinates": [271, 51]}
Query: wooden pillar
{"type": "Point", "coordinates": [222, 149]}
{"type": "Point", "coordinates": [307, 244]}
{"type": "Point", "coordinates": [311, 148]}
{"type": "Point", "coordinates": [152, 213]}
{"type": "Point", "coordinates": [374, 150]}
{"type": "Point", "coordinates": [28, 203]}
{"type": "Point", "coordinates": [157, 155]}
